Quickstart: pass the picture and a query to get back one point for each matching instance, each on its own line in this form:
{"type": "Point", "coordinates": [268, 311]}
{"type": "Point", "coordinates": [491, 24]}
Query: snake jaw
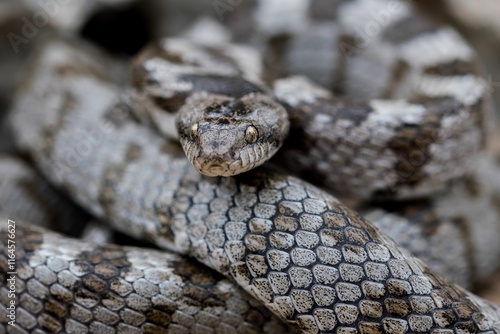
{"type": "Point", "coordinates": [246, 158]}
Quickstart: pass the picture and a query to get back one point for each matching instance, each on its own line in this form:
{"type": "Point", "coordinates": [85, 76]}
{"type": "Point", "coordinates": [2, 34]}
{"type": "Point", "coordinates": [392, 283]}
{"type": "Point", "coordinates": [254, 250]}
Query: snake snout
{"type": "Point", "coordinates": [217, 144]}
{"type": "Point", "coordinates": [213, 153]}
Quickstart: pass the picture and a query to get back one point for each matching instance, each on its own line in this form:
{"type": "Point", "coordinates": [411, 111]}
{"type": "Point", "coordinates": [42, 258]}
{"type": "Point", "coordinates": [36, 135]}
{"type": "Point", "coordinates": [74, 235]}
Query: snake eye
{"type": "Point", "coordinates": [193, 131]}
{"type": "Point", "coordinates": [251, 134]}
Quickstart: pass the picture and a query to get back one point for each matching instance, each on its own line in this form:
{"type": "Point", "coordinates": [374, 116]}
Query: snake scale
{"type": "Point", "coordinates": [308, 259]}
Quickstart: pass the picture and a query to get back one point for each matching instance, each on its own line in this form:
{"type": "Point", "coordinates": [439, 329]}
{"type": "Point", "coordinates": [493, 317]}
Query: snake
{"type": "Point", "coordinates": [311, 261]}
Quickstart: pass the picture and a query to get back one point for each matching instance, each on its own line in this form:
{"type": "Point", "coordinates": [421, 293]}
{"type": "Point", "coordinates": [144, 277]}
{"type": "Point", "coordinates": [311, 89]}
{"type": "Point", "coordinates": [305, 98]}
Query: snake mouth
{"type": "Point", "coordinates": [225, 165]}
{"type": "Point", "coordinates": [216, 168]}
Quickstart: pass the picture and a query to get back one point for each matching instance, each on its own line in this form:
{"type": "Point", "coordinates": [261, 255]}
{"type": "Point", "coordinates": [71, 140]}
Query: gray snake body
{"type": "Point", "coordinates": [314, 263]}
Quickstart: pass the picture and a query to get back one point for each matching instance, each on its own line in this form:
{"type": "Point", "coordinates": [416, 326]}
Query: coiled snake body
{"type": "Point", "coordinates": [311, 261]}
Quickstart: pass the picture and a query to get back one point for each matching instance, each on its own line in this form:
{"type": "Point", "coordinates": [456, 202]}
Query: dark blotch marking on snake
{"type": "Point", "coordinates": [172, 104]}
{"type": "Point", "coordinates": [227, 109]}
{"type": "Point", "coordinates": [51, 132]}
{"type": "Point", "coordinates": [472, 186]}
{"type": "Point", "coordinates": [399, 70]}
{"type": "Point", "coordinates": [452, 68]}
{"type": "Point", "coordinates": [228, 86]}
{"type": "Point", "coordinates": [411, 144]}
{"type": "Point", "coordinates": [302, 117]}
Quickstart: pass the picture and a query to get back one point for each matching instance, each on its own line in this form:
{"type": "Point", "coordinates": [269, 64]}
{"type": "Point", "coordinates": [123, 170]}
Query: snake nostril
{"type": "Point", "coordinates": [223, 121]}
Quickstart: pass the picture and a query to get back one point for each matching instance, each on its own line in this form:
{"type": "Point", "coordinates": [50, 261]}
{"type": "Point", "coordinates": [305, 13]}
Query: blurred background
{"type": "Point", "coordinates": [123, 27]}
{"type": "Point", "coordinates": [478, 22]}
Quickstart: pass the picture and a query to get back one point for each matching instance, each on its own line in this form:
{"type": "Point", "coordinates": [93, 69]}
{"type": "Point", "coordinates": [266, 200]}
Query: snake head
{"type": "Point", "coordinates": [225, 136]}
